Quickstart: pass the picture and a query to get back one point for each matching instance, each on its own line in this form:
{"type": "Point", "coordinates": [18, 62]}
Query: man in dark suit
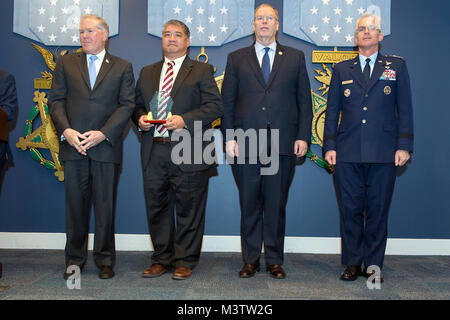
{"type": "Point", "coordinates": [266, 87]}
{"type": "Point", "coordinates": [8, 110]}
{"type": "Point", "coordinates": [91, 101]}
{"type": "Point", "coordinates": [170, 185]}
{"type": "Point", "coordinates": [372, 93]}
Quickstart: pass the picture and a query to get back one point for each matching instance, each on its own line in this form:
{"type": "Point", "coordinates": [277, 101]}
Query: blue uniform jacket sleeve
{"type": "Point", "coordinates": [405, 133]}
{"type": "Point", "coordinates": [334, 106]}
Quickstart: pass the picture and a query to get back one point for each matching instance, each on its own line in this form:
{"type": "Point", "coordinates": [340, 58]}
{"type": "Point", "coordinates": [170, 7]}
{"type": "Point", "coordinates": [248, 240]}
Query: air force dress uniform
{"type": "Point", "coordinates": [366, 123]}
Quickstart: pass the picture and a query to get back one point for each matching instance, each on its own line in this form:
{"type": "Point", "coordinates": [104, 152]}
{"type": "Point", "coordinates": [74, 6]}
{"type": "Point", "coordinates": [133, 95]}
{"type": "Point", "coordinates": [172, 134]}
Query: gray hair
{"type": "Point", "coordinates": [369, 15]}
{"type": "Point", "coordinates": [101, 23]}
{"type": "Point", "coordinates": [178, 23]}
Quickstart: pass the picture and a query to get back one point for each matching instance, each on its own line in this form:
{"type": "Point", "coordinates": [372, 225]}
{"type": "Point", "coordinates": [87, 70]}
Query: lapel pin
{"type": "Point", "coordinates": [107, 61]}
{"type": "Point", "coordinates": [280, 53]}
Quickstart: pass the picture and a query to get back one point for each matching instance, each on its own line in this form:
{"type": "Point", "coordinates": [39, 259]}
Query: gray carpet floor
{"type": "Point", "coordinates": [37, 275]}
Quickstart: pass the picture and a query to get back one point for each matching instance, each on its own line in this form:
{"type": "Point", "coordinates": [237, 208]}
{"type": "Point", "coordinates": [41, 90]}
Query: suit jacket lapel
{"type": "Point", "coordinates": [278, 60]}
{"type": "Point", "coordinates": [84, 68]}
{"type": "Point", "coordinates": [156, 75]}
{"type": "Point", "coordinates": [253, 62]}
{"type": "Point", "coordinates": [107, 63]}
{"type": "Point", "coordinates": [185, 69]}
{"type": "Point", "coordinates": [357, 73]}
{"type": "Point", "coordinates": [378, 70]}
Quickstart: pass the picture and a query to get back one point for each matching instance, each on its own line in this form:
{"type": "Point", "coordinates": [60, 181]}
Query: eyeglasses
{"type": "Point", "coordinates": [372, 27]}
{"type": "Point", "coordinates": [269, 18]}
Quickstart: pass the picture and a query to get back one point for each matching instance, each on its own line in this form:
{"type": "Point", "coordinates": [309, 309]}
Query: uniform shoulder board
{"type": "Point", "coordinates": [345, 61]}
{"type": "Point", "coordinates": [394, 56]}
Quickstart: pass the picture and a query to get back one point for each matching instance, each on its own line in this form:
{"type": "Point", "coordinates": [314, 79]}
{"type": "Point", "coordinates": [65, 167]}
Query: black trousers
{"type": "Point", "coordinates": [263, 200]}
{"type": "Point", "coordinates": [3, 154]}
{"type": "Point", "coordinates": [87, 182]}
{"type": "Point", "coordinates": [176, 203]}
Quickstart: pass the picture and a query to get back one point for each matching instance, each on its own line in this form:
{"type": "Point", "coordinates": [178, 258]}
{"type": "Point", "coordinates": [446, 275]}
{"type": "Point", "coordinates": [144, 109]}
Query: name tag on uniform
{"type": "Point", "coordinates": [388, 75]}
{"type": "Point", "coordinates": [347, 82]}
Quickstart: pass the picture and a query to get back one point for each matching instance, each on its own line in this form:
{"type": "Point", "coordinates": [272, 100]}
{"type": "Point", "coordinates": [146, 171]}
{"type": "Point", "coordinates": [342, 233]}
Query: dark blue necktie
{"type": "Point", "coordinates": [366, 71]}
{"type": "Point", "coordinates": [265, 67]}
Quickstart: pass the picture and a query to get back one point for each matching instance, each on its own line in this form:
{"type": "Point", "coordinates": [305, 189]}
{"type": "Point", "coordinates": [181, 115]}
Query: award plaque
{"type": "Point", "coordinates": [160, 108]}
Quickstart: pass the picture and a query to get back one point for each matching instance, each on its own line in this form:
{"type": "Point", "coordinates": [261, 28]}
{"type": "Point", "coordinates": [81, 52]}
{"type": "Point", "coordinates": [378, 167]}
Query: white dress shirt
{"type": "Point", "coordinates": [176, 69]}
{"type": "Point", "coordinates": [362, 60]}
{"type": "Point", "coordinates": [260, 52]}
{"type": "Point", "coordinates": [99, 61]}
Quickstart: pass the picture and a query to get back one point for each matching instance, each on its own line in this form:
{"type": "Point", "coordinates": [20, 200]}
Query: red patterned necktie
{"type": "Point", "coordinates": [164, 96]}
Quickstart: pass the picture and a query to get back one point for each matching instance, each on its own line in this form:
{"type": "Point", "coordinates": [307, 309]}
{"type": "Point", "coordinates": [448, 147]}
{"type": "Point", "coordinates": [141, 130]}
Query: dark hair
{"type": "Point", "coordinates": [174, 22]}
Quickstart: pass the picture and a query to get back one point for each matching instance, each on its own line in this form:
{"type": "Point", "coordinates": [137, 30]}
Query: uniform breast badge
{"type": "Point", "coordinates": [387, 90]}
{"type": "Point", "coordinates": [389, 75]}
{"type": "Point", "coordinates": [347, 93]}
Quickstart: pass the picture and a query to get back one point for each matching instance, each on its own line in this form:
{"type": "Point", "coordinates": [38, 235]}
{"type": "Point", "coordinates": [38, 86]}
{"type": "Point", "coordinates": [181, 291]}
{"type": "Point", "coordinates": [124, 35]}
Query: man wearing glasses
{"type": "Point", "coordinates": [374, 136]}
{"type": "Point", "coordinates": [266, 89]}
{"type": "Point", "coordinates": [91, 101]}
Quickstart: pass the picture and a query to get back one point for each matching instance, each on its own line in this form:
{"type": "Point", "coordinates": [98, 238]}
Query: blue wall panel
{"type": "Point", "coordinates": [32, 200]}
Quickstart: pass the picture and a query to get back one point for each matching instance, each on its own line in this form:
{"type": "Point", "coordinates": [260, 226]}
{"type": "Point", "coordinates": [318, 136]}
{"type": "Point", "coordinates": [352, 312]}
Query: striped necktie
{"type": "Point", "coordinates": [164, 97]}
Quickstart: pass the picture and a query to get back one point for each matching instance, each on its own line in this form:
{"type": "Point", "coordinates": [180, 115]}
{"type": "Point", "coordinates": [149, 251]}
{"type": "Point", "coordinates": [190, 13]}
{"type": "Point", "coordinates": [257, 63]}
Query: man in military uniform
{"type": "Point", "coordinates": [375, 135]}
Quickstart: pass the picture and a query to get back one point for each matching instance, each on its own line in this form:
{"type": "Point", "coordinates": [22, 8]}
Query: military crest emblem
{"type": "Point", "coordinates": [44, 137]}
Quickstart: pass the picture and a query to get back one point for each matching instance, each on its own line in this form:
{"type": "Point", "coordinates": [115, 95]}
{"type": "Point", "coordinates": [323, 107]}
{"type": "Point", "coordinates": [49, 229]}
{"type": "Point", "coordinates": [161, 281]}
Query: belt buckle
{"type": "Point", "coordinates": [161, 139]}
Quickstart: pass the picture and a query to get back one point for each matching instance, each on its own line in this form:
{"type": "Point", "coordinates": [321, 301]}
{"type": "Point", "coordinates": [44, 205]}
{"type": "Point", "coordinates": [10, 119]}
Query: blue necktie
{"type": "Point", "coordinates": [265, 67]}
{"type": "Point", "coordinates": [92, 70]}
{"type": "Point", "coordinates": [366, 71]}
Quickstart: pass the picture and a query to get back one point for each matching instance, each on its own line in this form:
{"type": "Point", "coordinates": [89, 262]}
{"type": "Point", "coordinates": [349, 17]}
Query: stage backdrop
{"type": "Point", "coordinates": [32, 198]}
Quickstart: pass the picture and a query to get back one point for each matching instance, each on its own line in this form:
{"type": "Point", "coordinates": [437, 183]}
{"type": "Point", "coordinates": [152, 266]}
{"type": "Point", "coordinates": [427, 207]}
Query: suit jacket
{"type": "Point", "coordinates": [284, 103]}
{"type": "Point", "coordinates": [377, 119]}
{"type": "Point", "coordinates": [195, 97]}
{"type": "Point", "coordinates": [107, 107]}
{"type": "Point", "coordinates": [8, 102]}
